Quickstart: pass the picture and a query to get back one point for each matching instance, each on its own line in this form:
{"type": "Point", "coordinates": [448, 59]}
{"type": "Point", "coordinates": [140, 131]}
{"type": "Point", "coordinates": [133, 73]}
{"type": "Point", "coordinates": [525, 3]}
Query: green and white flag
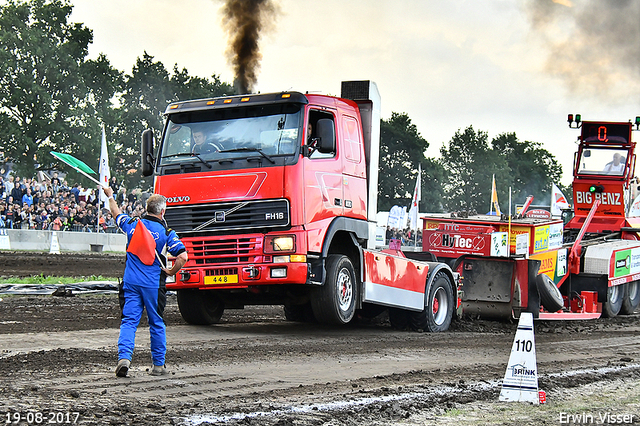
{"type": "Point", "coordinates": [76, 164]}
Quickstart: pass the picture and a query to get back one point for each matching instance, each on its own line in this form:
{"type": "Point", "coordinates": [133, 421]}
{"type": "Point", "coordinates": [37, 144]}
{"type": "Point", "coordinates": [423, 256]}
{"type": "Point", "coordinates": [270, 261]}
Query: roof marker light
{"type": "Point", "coordinates": [211, 102]}
{"type": "Point", "coordinates": [228, 101]}
{"type": "Point", "coordinates": [286, 95]}
{"type": "Point", "coordinates": [244, 99]}
{"type": "Point", "coordinates": [173, 106]}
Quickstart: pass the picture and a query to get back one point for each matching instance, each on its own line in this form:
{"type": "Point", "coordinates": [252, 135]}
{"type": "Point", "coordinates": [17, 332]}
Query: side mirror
{"type": "Point", "coordinates": [327, 136]}
{"type": "Point", "coordinates": [146, 153]}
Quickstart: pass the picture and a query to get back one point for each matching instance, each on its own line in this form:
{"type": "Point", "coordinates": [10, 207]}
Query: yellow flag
{"type": "Point", "coordinates": [494, 197]}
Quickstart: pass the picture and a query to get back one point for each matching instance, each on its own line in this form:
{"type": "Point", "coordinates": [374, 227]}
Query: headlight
{"type": "Point", "coordinates": [280, 244]}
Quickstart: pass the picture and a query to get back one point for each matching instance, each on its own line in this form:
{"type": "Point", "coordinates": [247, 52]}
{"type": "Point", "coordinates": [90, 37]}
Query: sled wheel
{"type": "Point", "coordinates": [631, 298]}
{"type": "Point", "coordinates": [550, 296]}
{"type": "Point", "coordinates": [612, 305]}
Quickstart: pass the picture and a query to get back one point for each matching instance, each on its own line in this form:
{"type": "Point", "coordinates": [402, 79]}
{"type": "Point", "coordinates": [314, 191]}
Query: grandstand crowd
{"type": "Point", "coordinates": [53, 204]}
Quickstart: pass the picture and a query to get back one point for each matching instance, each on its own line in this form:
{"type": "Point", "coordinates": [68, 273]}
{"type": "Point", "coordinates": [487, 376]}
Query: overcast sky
{"type": "Point", "coordinates": [498, 65]}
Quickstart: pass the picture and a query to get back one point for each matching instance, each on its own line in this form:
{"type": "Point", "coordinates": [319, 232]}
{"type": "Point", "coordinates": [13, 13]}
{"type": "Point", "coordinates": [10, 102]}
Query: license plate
{"type": "Point", "coordinates": [221, 279]}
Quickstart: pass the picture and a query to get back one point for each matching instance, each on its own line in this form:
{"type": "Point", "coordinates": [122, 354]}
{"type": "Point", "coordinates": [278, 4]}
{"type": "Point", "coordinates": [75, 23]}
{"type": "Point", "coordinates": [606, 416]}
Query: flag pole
{"type": "Point", "coordinates": [92, 178]}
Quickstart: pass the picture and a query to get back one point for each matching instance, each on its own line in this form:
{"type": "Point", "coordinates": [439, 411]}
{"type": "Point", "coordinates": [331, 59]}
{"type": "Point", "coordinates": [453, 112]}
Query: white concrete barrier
{"type": "Point", "coordinates": [29, 239]}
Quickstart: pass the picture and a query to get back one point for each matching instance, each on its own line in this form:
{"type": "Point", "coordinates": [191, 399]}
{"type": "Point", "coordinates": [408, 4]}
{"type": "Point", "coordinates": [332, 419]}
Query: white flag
{"type": "Point", "coordinates": [413, 211]}
{"type": "Point", "coordinates": [105, 174]}
{"type": "Point", "coordinates": [558, 201]}
{"type": "Point", "coordinates": [395, 216]}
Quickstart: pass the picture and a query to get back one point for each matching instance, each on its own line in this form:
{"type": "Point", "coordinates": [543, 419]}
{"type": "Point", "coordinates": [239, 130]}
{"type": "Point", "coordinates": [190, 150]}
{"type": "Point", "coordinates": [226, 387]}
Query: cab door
{"type": "Point", "coordinates": [323, 180]}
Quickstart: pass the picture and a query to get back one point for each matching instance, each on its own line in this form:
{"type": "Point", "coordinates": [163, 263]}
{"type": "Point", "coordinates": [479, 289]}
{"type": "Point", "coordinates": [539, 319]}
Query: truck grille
{"type": "Point", "coordinates": [224, 217]}
{"type": "Point", "coordinates": [220, 271]}
{"type": "Point", "coordinates": [227, 250]}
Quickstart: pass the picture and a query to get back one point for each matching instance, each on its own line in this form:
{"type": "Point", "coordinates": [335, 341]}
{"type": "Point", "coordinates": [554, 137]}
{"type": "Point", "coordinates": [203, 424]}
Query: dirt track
{"type": "Point", "coordinates": [57, 355]}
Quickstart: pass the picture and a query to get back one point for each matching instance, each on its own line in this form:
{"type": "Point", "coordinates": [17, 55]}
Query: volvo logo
{"type": "Point", "coordinates": [178, 199]}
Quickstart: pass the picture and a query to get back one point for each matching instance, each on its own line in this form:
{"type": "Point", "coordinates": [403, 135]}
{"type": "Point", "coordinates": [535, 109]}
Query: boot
{"type": "Point", "coordinates": [159, 370]}
{"type": "Point", "coordinates": [123, 367]}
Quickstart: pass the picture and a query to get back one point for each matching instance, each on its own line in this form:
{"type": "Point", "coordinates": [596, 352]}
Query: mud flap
{"type": "Point", "coordinates": [316, 271]}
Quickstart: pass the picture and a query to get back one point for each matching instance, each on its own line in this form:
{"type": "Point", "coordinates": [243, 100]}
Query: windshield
{"type": "Point", "coordinates": [232, 134]}
{"type": "Point", "coordinates": [602, 161]}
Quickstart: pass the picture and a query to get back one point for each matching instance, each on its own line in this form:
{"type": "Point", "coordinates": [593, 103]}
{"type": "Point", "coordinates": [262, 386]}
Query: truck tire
{"type": "Point", "coordinates": [299, 313]}
{"type": "Point", "coordinates": [550, 297]}
{"type": "Point", "coordinates": [200, 307]}
{"type": "Point", "coordinates": [399, 318]}
{"type": "Point", "coordinates": [631, 298]}
{"type": "Point", "coordinates": [438, 309]}
{"type": "Point", "coordinates": [613, 303]}
{"type": "Point", "coordinates": [335, 301]}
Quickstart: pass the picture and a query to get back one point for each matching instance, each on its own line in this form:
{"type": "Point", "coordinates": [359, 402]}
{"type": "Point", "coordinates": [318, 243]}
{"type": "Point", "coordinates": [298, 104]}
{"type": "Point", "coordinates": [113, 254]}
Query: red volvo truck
{"type": "Point", "coordinates": [274, 196]}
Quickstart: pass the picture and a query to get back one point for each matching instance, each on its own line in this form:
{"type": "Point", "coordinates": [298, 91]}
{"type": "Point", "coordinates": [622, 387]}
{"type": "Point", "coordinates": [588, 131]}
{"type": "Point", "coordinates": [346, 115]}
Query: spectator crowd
{"type": "Point", "coordinates": [406, 236]}
{"type": "Point", "coordinates": [51, 204]}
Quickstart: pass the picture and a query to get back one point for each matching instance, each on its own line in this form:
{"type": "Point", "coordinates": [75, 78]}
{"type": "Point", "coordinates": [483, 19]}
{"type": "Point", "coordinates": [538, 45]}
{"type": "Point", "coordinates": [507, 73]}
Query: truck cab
{"type": "Point", "coordinates": [274, 196]}
{"type": "Point", "coordinates": [604, 169]}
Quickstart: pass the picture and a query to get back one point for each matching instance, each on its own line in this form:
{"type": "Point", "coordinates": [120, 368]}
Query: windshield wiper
{"type": "Point", "coordinates": [190, 154]}
{"type": "Point", "coordinates": [247, 149]}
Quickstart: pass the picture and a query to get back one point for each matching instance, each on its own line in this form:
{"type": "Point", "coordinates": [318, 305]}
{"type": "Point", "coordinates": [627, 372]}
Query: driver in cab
{"type": "Point", "coordinates": [616, 166]}
{"type": "Point", "coordinates": [200, 143]}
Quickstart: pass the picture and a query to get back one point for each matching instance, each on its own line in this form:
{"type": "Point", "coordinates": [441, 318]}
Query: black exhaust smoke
{"type": "Point", "coordinates": [593, 45]}
{"type": "Point", "coordinates": [245, 21]}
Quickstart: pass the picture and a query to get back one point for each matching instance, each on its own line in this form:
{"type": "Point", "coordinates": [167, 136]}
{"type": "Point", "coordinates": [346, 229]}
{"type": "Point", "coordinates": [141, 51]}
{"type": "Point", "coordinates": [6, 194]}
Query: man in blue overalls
{"type": "Point", "coordinates": [143, 284]}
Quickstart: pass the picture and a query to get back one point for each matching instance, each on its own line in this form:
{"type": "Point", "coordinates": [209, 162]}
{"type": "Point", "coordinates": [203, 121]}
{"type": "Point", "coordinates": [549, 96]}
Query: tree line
{"type": "Point", "coordinates": [460, 180]}
{"type": "Point", "coordinates": [53, 97]}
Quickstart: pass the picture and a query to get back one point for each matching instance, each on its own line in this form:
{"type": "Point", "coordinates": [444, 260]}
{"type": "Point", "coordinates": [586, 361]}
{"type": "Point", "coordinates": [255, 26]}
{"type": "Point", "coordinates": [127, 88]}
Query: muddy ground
{"type": "Point", "coordinates": [58, 356]}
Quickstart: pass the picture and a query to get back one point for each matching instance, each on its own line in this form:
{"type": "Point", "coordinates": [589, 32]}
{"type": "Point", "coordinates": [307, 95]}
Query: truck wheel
{"type": "Point", "coordinates": [550, 297]}
{"type": "Point", "coordinates": [631, 298]}
{"type": "Point", "coordinates": [200, 307]}
{"type": "Point", "coordinates": [299, 313]}
{"type": "Point", "coordinates": [399, 318]}
{"type": "Point", "coordinates": [439, 307]}
{"type": "Point", "coordinates": [335, 301]}
{"type": "Point", "coordinates": [611, 306]}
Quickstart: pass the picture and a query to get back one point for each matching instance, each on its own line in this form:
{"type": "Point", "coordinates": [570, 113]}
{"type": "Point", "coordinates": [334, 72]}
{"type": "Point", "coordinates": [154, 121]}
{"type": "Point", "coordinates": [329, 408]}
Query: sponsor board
{"type": "Point", "coordinates": [553, 263]}
{"type": "Point", "coordinates": [522, 244]}
{"type": "Point", "coordinates": [539, 214]}
{"type": "Point", "coordinates": [514, 232]}
{"type": "Point", "coordinates": [625, 262]}
{"type": "Point", "coordinates": [499, 245]}
{"type": "Point", "coordinates": [454, 244]}
{"type": "Point", "coordinates": [547, 237]}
